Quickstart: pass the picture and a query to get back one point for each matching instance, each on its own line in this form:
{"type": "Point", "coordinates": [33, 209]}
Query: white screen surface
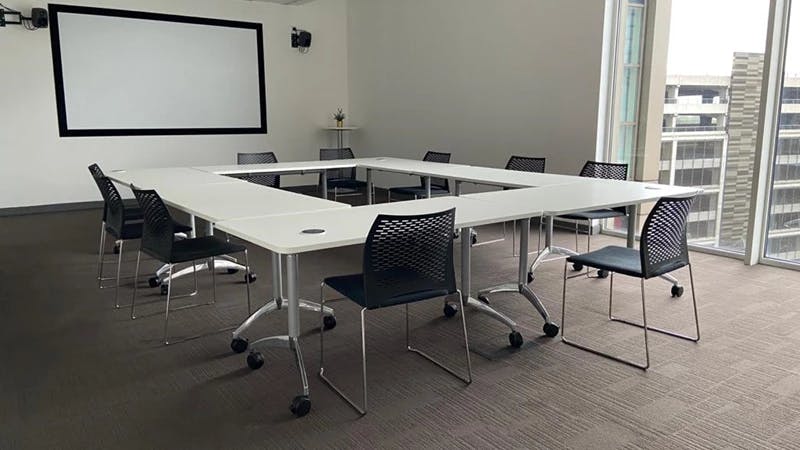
{"type": "Point", "coordinates": [141, 75]}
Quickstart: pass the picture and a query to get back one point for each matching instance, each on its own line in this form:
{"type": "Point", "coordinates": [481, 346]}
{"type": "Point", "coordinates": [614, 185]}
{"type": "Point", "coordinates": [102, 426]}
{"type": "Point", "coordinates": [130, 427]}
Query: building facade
{"type": "Point", "coordinates": [709, 132]}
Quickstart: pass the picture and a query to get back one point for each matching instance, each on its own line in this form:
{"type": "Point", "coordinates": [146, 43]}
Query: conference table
{"type": "Point", "coordinates": [289, 224]}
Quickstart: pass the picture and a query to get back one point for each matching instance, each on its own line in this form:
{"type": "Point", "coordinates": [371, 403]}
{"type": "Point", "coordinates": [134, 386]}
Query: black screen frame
{"type": "Point", "coordinates": [63, 125]}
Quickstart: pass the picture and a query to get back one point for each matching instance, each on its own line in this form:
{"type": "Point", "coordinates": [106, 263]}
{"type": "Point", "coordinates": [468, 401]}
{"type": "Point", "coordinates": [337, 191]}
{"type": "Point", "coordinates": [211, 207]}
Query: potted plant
{"type": "Point", "coordinates": [339, 117]}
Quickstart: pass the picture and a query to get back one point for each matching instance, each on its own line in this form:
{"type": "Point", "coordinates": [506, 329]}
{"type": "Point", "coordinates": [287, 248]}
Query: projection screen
{"type": "Point", "coordinates": [120, 73]}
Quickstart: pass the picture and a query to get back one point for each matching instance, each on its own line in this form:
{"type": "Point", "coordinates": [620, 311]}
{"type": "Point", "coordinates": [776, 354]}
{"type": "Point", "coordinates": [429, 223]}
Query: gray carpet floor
{"type": "Point", "coordinates": [76, 373]}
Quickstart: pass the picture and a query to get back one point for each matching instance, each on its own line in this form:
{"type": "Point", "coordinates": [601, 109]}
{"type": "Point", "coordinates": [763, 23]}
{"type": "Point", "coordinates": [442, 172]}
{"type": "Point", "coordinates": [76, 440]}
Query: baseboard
{"type": "Point", "coordinates": [46, 209]}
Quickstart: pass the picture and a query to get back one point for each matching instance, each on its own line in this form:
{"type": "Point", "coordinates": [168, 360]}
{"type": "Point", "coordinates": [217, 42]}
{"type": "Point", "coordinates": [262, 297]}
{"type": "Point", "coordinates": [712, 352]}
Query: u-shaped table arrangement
{"type": "Point", "coordinates": [280, 221]}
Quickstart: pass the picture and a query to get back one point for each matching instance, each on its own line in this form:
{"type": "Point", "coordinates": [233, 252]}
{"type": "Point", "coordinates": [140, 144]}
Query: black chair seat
{"type": "Point", "coordinates": [627, 261]}
{"type": "Point", "coordinates": [203, 247]}
{"type": "Point", "coordinates": [419, 191]}
{"type": "Point", "coordinates": [345, 183]}
{"type": "Point", "coordinates": [352, 287]}
{"type": "Point", "coordinates": [596, 214]}
{"type": "Point", "coordinates": [133, 230]}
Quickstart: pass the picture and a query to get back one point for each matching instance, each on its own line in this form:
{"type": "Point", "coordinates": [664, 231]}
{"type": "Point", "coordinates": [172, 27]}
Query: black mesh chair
{"type": "Point", "coordinates": [121, 226]}
{"type": "Point", "coordinates": [663, 249]}
{"type": "Point", "coordinates": [406, 259]}
{"type": "Point", "coordinates": [158, 241]}
{"type": "Point", "coordinates": [439, 186]}
{"type": "Point", "coordinates": [259, 158]}
{"type": "Point", "coordinates": [608, 171]}
{"type": "Point", "coordinates": [343, 181]}
{"type": "Point", "coordinates": [132, 212]}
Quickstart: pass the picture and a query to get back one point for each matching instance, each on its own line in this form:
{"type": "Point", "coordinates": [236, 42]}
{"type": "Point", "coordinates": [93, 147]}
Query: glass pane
{"type": "Point", "coordinates": [711, 105]}
{"type": "Point", "coordinates": [629, 97]}
{"type": "Point", "coordinates": [783, 231]}
{"type": "Point", "coordinates": [633, 34]}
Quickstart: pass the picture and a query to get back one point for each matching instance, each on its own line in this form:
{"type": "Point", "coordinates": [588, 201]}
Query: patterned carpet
{"type": "Point", "coordinates": [76, 373]}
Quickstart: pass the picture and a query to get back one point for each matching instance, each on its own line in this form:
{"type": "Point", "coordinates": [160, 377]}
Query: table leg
{"type": "Point", "coordinates": [466, 290]}
{"type": "Point", "coordinates": [324, 176]}
{"type": "Point", "coordinates": [633, 213]}
{"type": "Point", "coordinates": [521, 287]}
{"type": "Point", "coordinates": [427, 187]}
{"type": "Point", "coordinates": [370, 200]}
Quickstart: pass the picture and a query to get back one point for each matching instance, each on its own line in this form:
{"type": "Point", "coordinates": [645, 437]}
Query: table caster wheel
{"type": "Point", "coordinates": [473, 239]}
{"type": "Point", "coordinates": [550, 329]}
{"type": "Point", "coordinates": [154, 282]}
{"type": "Point", "coordinates": [531, 277]}
{"type": "Point", "coordinates": [515, 339]}
{"type": "Point", "coordinates": [677, 291]}
{"type": "Point", "coordinates": [577, 267]}
{"type": "Point", "coordinates": [116, 249]}
{"type": "Point", "coordinates": [232, 271]}
{"type": "Point", "coordinates": [329, 322]}
{"type": "Point", "coordinates": [301, 405]}
{"type": "Point", "coordinates": [164, 289]}
{"type": "Point", "coordinates": [255, 360]}
{"type": "Point", "coordinates": [239, 345]}
{"type": "Point", "coordinates": [250, 278]}
{"type": "Point", "coordinates": [450, 310]}
{"type": "Point", "coordinates": [484, 299]}
{"type": "Point", "coordinates": [602, 274]}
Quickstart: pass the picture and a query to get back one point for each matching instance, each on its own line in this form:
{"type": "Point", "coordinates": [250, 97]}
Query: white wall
{"type": "Point", "coordinates": [38, 167]}
{"type": "Point", "coordinates": [482, 79]}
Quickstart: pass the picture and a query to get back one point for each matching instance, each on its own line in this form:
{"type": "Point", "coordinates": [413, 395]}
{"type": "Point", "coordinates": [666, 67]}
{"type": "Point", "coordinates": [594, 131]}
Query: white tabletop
{"type": "Point", "coordinates": [283, 167]}
{"type": "Point", "coordinates": [218, 202]}
{"type": "Point", "coordinates": [584, 194]}
{"type": "Point", "coordinates": [164, 177]}
{"type": "Point", "coordinates": [343, 227]}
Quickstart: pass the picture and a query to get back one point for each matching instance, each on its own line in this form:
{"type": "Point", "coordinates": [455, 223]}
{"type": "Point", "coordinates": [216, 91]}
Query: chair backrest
{"type": "Point", "coordinates": [114, 212]}
{"type": "Point", "coordinates": [95, 170]}
{"type": "Point", "coordinates": [405, 255]}
{"type": "Point", "coordinates": [259, 158]}
{"type": "Point", "coordinates": [608, 171]}
{"type": "Point", "coordinates": [328, 154]}
{"type": "Point", "coordinates": [440, 157]}
{"type": "Point", "coordinates": [525, 164]}
{"type": "Point", "coordinates": [663, 246]}
{"type": "Point", "coordinates": [158, 232]}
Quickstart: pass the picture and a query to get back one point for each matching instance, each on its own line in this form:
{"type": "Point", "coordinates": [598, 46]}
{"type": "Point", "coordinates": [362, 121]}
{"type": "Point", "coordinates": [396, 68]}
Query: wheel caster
{"type": "Point", "coordinates": [239, 345]}
{"type": "Point", "coordinates": [116, 249]}
{"type": "Point", "coordinates": [164, 289]}
{"type": "Point", "coordinates": [515, 339]}
{"type": "Point", "coordinates": [329, 322]}
{"type": "Point", "coordinates": [232, 271]}
{"type": "Point", "coordinates": [473, 239]}
{"type": "Point", "coordinates": [602, 274]}
{"type": "Point", "coordinates": [677, 291]}
{"type": "Point", "coordinates": [531, 277]}
{"type": "Point", "coordinates": [250, 278]}
{"type": "Point", "coordinates": [301, 405]}
{"type": "Point", "coordinates": [577, 267]}
{"type": "Point", "coordinates": [550, 329]}
{"type": "Point", "coordinates": [484, 299]}
{"type": "Point", "coordinates": [154, 282]}
{"type": "Point", "coordinates": [255, 360]}
{"type": "Point", "coordinates": [450, 310]}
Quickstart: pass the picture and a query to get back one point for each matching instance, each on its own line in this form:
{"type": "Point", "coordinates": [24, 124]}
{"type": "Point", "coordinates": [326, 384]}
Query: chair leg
{"type": "Point", "coordinates": [212, 266]}
{"type": "Point", "coordinates": [166, 314]}
{"type": "Point", "coordinates": [564, 339]}
{"type": "Point", "coordinates": [247, 279]}
{"type": "Point", "coordinates": [101, 254]}
{"type": "Point", "coordinates": [468, 378]}
{"type": "Point", "coordinates": [135, 284]}
{"type": "Point", "coordinates": [119, 267]}
{"type": "Point", "coordinates": [687, 337]}
{"type": "Point", "coordinates": [322, 376]}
